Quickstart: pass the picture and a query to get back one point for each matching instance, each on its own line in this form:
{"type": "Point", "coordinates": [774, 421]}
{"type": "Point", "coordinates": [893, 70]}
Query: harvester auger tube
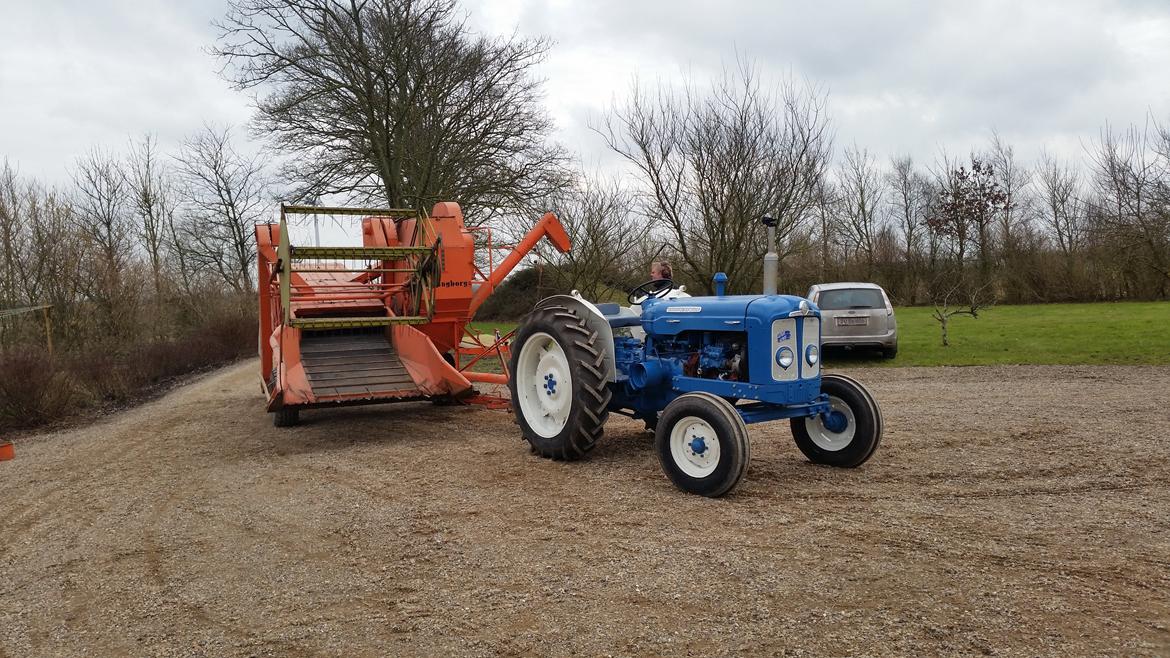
{"type": "Point", "coordinates": [380, 322]}
{"type": "Point", "coordinates": [548, 226]}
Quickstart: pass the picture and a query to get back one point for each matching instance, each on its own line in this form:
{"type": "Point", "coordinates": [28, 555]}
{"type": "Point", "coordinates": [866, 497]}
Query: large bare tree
{"type": "Point", "coordinates": [395, 101]}
{"type": "Point", "coordinates": [224, 194]}
{"type": "Point", "coordinates": [713, 161]}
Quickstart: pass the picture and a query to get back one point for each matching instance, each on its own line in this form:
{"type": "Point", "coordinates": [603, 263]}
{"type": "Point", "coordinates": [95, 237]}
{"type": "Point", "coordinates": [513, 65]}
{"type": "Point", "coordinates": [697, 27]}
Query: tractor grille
{"type": "Point", "coordinates": [795, 334]}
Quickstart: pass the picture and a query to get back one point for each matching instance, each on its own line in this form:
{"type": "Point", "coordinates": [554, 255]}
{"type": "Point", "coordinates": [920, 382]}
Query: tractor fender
{"type": "Point", "coordinates": [595, 321]}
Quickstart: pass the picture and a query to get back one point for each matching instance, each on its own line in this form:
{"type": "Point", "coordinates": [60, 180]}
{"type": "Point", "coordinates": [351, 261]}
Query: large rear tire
{"type": "Point", "coordinates": [702, 444]}
{"type": "Point", "coordinates": [558, 385]}
{"type": "Point", "coordinates": [849, 434]}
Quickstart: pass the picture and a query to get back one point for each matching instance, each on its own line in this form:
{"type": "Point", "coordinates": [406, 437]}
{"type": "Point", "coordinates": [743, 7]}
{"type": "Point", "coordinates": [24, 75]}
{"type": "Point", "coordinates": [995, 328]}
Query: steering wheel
{"type": "Point", "coordinates": [656, 288]}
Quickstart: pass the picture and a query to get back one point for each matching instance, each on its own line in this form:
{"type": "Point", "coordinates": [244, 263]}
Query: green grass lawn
{"type": "Point", "coordinates": [1068, 334]}
{"type": "Point", "coordinates": [1126, 333]}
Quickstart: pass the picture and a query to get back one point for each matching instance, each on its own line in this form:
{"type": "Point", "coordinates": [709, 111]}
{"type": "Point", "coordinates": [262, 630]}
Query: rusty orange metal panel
{"type": "Point", "coordinates": [426, 365]}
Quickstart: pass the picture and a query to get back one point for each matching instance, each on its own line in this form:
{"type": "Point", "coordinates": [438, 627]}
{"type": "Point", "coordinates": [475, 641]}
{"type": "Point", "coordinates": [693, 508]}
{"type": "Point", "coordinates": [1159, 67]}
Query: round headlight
{"type": "Point", "coordinates": [812, 355]}
{"type": "Point", "coordinates": [784, 357]}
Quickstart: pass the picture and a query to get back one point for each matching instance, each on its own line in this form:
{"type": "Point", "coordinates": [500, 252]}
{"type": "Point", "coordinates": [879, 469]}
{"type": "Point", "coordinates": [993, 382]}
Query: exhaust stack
{"type": "Point", "coordinates": [771, 259]}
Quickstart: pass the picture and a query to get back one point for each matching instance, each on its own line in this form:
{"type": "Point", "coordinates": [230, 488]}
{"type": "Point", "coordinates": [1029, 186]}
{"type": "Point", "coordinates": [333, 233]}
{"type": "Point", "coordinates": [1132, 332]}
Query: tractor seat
{"type": "Point", "coordinates": [619, 317]}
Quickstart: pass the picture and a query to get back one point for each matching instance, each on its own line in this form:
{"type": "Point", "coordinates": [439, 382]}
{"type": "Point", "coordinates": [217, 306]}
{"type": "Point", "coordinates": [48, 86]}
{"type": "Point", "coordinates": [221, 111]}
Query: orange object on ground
{"type": "Point", "coordinates": [386, 321]}
{"type": "Point", "coordinates": [7, 451]}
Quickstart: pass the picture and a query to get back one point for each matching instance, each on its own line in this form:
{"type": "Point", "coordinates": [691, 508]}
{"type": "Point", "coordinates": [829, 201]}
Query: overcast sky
{"type": "Point", "coordinates": [909, 76]}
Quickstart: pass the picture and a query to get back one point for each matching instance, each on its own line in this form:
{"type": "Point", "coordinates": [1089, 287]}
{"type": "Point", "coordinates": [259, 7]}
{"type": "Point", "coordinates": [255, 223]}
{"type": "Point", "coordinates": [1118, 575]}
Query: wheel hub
{"type": "Point", "coordinates": [544, 385]}
{"type": "Point", "coordinates": [694, 446]}
{"type": "Point", "coordinates": [835, 421]}
{"type": "Point", "coordinates": [833, 430]}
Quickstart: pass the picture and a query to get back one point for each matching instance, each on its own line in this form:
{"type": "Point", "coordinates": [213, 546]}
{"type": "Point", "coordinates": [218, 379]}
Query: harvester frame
{"type": "Point", "coordinates": [384, 322]}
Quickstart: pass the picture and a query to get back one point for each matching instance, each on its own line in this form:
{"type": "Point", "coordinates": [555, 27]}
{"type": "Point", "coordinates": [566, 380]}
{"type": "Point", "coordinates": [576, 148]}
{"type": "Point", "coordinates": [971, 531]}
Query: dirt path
{"type": "Point", "coordinates": [1013, 510]}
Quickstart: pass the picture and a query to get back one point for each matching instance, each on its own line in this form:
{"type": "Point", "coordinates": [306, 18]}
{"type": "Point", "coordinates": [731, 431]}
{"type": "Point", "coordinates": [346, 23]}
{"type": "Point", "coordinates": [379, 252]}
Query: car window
{"type": "Point", "coordinates": [837, 300]}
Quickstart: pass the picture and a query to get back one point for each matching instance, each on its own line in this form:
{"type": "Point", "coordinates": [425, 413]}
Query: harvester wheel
{"type": "Point", "coordinates": [286, 417]}
{"type": "Point", "coordinates": [702, 444]}
{"type": "Point", "coordinates": [558, 384]}
{"type": "Point", "coordinates": [849, 434]}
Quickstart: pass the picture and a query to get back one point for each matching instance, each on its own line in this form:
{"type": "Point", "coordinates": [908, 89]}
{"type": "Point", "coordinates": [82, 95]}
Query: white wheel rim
{"type": "Point", "coordinates": [544, 385]}
{"type": "Point", "coordinates": [826, 439]}
{"type": "Point", "coordinates": [694, 447]}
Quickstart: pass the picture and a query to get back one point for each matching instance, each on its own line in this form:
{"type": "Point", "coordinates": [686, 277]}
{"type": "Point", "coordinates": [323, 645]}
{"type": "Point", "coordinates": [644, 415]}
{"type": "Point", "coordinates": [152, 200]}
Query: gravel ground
{"type": "Point", "coordinates": [1009, 511]}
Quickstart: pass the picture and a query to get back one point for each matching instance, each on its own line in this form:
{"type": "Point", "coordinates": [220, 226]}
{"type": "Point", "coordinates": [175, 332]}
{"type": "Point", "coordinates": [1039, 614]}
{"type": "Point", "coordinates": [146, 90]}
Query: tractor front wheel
{"type": "Point", "coordinates": [559, 389]}
{"type": "Point", "coordinates": [849, 433]}
{"type": "Point", "coordinates": [702, 444]}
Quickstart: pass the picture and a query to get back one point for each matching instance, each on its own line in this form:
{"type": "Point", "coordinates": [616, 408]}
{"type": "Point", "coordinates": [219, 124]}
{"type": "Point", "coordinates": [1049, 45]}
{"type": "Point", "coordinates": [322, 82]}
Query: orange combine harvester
{"type": "Point", "coordinates": [384, 322]}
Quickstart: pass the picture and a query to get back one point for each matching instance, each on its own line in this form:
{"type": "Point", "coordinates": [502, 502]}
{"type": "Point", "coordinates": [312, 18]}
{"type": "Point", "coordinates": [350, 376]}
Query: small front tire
{"type": "Point", "coordinates": [702, 444]}
{"type": "Point", "coordinates": [849, 434]}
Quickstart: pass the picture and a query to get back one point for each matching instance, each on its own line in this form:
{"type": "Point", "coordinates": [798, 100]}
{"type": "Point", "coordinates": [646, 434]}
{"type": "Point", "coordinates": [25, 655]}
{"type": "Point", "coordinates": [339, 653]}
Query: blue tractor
{"type": "Point", "coordinates": [697, 370]}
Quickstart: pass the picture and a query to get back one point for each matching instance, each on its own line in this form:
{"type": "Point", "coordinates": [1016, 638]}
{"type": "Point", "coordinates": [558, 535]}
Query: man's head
{"type": "Point", "coordinates": [661, 270]}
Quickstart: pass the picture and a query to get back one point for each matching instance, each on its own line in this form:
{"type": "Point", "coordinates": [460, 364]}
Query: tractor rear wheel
{"type": "Point", "coordinates": [559, 389]}
{"type": "Point", "coordinates": [849, 434]}
{"type": "Point", "coordinates": [702, 444]}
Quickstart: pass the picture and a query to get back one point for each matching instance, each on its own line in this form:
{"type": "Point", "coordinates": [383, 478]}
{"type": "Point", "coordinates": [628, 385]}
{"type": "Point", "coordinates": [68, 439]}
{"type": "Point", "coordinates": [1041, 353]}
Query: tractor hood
{"type": "Point", "coordinates": [729, 313]}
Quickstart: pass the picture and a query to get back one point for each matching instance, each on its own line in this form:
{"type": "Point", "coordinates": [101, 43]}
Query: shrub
{"type": "Point", "coordinates": [34, 390]}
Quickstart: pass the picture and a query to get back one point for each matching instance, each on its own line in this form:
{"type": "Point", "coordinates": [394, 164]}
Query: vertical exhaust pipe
{"type": "Point", "coordinates": [771, 259]}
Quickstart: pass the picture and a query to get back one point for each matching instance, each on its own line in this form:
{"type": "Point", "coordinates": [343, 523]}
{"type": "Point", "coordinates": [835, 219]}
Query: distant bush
{"type": "Point", "coordinates": [36, 389]}
{"type": "Point", "coordinates": [516, 296]}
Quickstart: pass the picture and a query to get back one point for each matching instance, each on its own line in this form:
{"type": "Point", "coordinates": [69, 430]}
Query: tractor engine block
{"type": "Point", "coordinates": [704, 354]}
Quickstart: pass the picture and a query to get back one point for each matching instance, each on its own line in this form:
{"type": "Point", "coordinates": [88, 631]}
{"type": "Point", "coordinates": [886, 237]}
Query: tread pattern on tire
{"type": "Point", "coordinates": [286, 417]}
{"type": "Point", "coordinates": [591, 394]}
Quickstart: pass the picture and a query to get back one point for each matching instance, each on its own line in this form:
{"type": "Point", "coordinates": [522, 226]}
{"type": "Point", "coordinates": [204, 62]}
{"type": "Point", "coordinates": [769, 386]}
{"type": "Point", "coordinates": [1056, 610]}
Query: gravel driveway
{"type": "Point", "coordinates": [1009, 511]}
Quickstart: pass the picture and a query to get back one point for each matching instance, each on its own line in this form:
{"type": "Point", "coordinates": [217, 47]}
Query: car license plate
{"type": "Point", "coordinates": [847, 322]}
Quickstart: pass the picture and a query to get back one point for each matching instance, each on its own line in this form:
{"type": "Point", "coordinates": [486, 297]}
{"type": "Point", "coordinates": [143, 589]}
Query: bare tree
{"type": "Point", "coordinates": [911, 196]}
{"type": "Point", "coordinates": [11, 201]}
{"type": "Point", "coordinates": [224, 194]}
{"type": "Point", "coordinates": [103, 200]}
{"type": "Point", "coordinates": [102, 197]}
{"type": "Point", "coordinates": [1131, 176]}
{"type": "Point", "coordinates": [1063, 212]}
{"type": "Point", "coordinates": [712, 162]}
{"type": "Point", "coordinates": [1015, 181]}
{"type": "Point", "coordinates": [954, 294]}
{"type": "Point", "coordinates": [607, 239]}
{"type": "Point", "coordinates": [826, 229]}
{"type": "Point", "coordinates": [395, 101]}
{"type": "Point", "coordinates": [154, 203]}
{"type": "Point", "coordinates": [861, 206]}
{"type": "Point", "coordinates": [966, 207]}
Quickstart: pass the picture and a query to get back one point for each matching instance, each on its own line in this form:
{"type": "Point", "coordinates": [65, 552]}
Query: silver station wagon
{"type": "Point", "coordinates": [856, 315]}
